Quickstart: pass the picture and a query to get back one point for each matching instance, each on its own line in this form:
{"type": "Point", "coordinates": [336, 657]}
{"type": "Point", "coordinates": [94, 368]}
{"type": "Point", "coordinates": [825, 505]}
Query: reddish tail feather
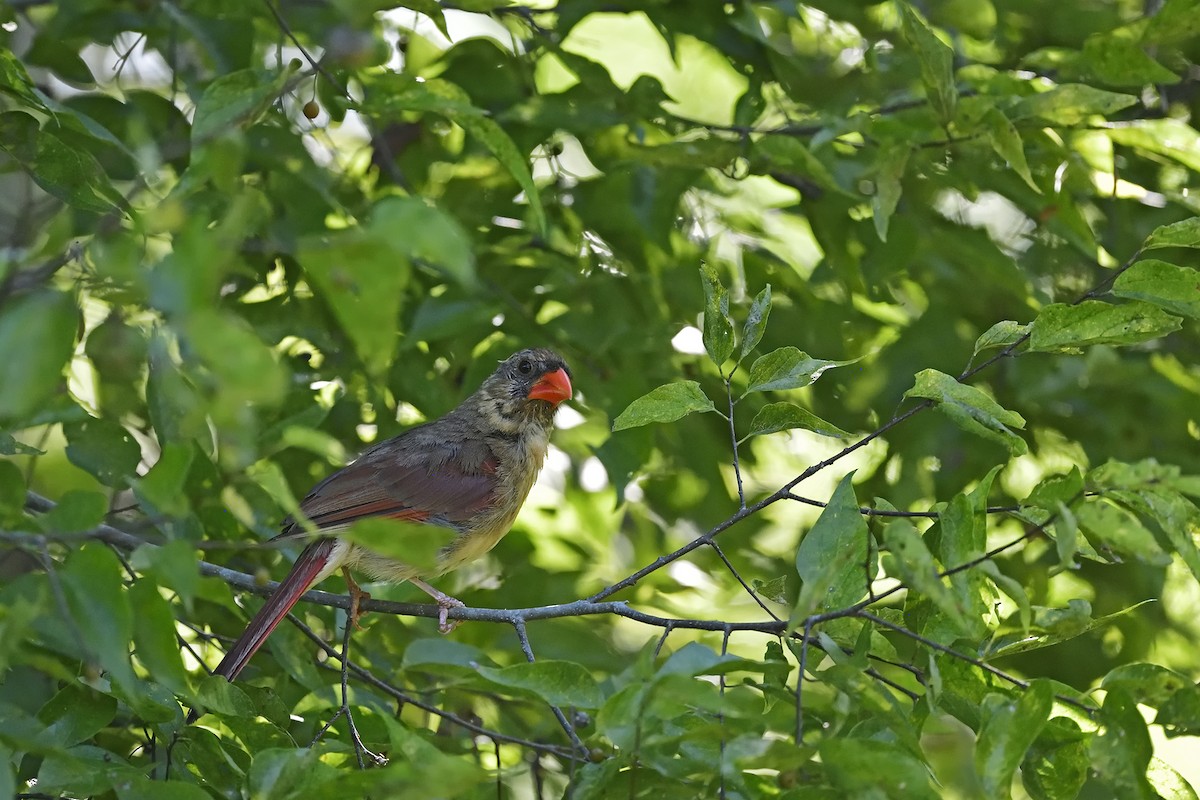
{"type": "Point", "coordinates": [307, 568]}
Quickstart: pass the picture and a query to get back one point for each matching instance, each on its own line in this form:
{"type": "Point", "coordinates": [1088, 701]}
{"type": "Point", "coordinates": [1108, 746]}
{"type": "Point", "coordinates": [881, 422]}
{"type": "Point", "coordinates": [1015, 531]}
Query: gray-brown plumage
{"type": "Point", "coordinates": [467, 473]}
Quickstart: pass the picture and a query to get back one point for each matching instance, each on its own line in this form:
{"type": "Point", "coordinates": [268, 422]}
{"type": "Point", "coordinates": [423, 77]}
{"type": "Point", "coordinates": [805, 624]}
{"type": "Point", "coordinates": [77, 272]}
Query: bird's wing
{"type": "Point", "coordinates": [422, 478]}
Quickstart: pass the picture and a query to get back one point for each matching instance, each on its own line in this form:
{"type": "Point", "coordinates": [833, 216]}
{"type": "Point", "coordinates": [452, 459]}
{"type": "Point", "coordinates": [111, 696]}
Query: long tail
{"type": "Point", "coordinates": [313, 561]}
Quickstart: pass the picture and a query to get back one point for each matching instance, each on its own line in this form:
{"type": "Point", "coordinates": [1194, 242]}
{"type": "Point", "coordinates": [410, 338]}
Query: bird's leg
{"type": "Point", "coordinates": [445, 603]}
{"type": "Point", "coordinates": [357, 596]}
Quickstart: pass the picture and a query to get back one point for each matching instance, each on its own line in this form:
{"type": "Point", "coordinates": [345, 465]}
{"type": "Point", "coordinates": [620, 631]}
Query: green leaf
{"type": "Point", "coordinates": [971, 409]}
{"type": "Point", "coordinates": [218, 696]}
{"type": "Point", "coordinates": [9, 446]}
{"type": "Point", "coordinates": [756, 322]}
{"type": "Point", "coordinates": [76, 714]}
{"type": "Point", "coordinates": [1070, 104]}
{"type": "Point", "coordinates": [284, 773]}
{"type": "Point", "coordinates": [393, 93]}
{"type": "Point", "coordinates": [37, 337]}
{"type": "Point", "coordinates": [154, 638]}
{"type": "Point", "coordinates": [1056, 765]}
{"type": "Point", "coordinates": [1003, 334]}
{"type": "Point", "coordinates": [1118, 59]}
{"type": "Point", "coordinates": [161, 489]}
{"type": "Point", "coordinates": [425, 233]}
{"type": "Point", "coordinates": [245, 370]}
{"type": "Point", "coordinates": [1179, 519]}
{"type": "Point", "coordinates": [8, 781]}
{"type": "Point", "coordinates": [1115, 532]}
{"type": "Point", "coordinates": [1173, 138]}
{"type": "Point", "coordinates": [173, 566]}
{"type": "Point", "coordinates": [1064, 328]}
{"type": "Point", "coordinates": [1171, 288]}
{"type": "Point", "coordinates": [889, 172]}
{"type": "Point", "coordinates": [104, 449]}
{"type": "Point", "coordinates": [775, 154]}
{"type": "Point", "coordinates": [414, 543]}
{"type": "Point", "coordinates": [1007, 731]}
{"type": "Point", "coordinates": [17, 617]}
{"type": "Point", "coordinates": [667, 403]}
{"type": "Point", "coordinates": [1066, 535]}
{"type": "Point", "coordinates": [920, 573]}
{"type": "Point", "coordinates": [440, 652]}
{"type": "Point", "coordinates": [142, 788]}
{"type": "Point", "coordinates": [1057, 625]}
{"type": "Point", "coordinates": [718, 327]}
{"type": "Point", "coordinates": [15, 81]}
{"type": "Point", "coordinates": [775, 417]}
{"type": "Point", "coordinates": [75, 512]}
{"type": "Point", "coordinates": [235, 100]}
{"type": "Point", "coordinates": [102, 617]}
{"type": "Point", "coordinates": [1056, 490]}
{"type": "Point", "coordinates": [937, 62]}
{"type": "Point", "coordinates": [832, 557]}
{"type": "Point", "coordinates": [1011, 587]}
{"type": "Point", "coordinates": [1121, 751]}
{"type": "Point", "coordinates": [875, 769]}
{"type": "Point", "coordinates": [960, 538]}
{"type": "Point", "coordinates": [1149, 684]}
{"type": "Point", "coordinates": [560, 683]}
{"type": "Point", "coordinates": [71, 174]}
{"type": "Point", "coordinates": [362, 273]}
{"type": "Point", "coordinates": [1185, 233]}
{"type": "Point", "coordinates": [1006, 141]}
{"type": "Point", "coordinates": [1167, 783]}
{"type": "Point", "coordinates": [787, 368]}
{"type": "Point", "coordinates": [83, 771]}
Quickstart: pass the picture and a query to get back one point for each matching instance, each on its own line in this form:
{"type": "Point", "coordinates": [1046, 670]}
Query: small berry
{"type": "Point", "coordinates": [311, 109]}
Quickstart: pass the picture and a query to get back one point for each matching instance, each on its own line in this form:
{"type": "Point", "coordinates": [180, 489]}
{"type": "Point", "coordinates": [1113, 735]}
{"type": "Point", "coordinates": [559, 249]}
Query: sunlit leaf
{"type": "Point", "coordinates": [1121, 751]}
{"type": "Point", "coordinates": [1170, 287]}
{"type": "Point", "coordinates": [1070, 104]}
{"type": "Point", "coordinates": [787, 368]}
{"type": "Point", "coordinates": [775, 417]}
{"type": "Point", "coordinates": [235, 100]}
{"type": "Point", "coordinates": [561, 683]}
{"type": "Point", "coordinates": [37, 335]}
{"type": "Point", "coordinates": [1006, 141]}
{"type": "Point", "coordinates": [665, 404]}
{"type": "Point", "coordinates": [1009, 728]}
{"type": "Point", "coordinates": [971, 409]}
{"type": "Point", "coordinates": [831, 559]}
{"type": "Point", "coordinates": [69, 173]}
{"type": "Point", "coordinates": [889, 168]}
{"type": "Point", "coordinates": [1185, 233]}
{"type": "Point", "coordinates": [937, 62]}
{"type": "Point", "coordinates": [756, 322]}
{"type": "Point", "coordinates": [718, 327]}
{"type": "Point", "coordinates": [919, 572]}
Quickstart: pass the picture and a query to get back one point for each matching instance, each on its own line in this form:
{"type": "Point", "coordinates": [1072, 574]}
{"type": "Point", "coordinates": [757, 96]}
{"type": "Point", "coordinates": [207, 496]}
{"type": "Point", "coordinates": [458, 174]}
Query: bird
{"type": "Point", "coordinates": [466, 473]}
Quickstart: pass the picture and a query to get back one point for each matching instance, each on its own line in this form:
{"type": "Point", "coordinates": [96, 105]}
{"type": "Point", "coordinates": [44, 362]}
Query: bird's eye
{"type": "Point", "coordinates": [524, 366]}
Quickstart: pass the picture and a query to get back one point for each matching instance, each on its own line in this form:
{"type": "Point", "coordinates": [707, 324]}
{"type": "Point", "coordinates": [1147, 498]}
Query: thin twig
{"type": "Point", "coordinates": [737, 469]}
{"type": "Point", "coordinates": [983, 665]}
{"type": "Point", "coordinates": [371, 679]}
{"type": "Point", "coordinates": [527, 649]}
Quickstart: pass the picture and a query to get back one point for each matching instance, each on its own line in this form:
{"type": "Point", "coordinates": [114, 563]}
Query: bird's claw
{"type": "Point", "coordinates": [445, 603]}
{"type": "Point", "coordinates": [357, 598]}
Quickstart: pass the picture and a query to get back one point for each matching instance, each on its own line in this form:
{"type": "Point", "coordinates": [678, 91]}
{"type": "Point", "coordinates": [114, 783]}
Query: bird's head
{"type": "Point", "coordinates": [527, 387]}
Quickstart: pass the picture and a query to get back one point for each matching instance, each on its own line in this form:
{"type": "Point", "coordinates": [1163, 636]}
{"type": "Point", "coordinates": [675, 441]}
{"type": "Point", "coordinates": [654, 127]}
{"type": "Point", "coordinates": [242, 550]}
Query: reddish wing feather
{"type": "Point", "coordinates": [412, 477]}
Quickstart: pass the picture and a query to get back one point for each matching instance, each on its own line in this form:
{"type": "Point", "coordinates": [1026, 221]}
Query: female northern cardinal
{"type": "Point", "coordinates": [468, 471]}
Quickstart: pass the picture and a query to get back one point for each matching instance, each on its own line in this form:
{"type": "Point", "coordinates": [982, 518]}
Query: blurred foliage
{"type": "Point", "coordinates": [243, 240]}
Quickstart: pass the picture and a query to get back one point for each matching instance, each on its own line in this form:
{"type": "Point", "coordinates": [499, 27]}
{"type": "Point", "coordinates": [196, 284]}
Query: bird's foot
{"type": "Point", "coordinates": [445, 603]}
{"type": "Point", "coordinates": [357, 597]}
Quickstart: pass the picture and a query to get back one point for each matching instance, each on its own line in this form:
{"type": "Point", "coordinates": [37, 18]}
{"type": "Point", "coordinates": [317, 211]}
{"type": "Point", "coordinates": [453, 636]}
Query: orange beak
{"type": "Point", "coordinates": [553, 387]}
